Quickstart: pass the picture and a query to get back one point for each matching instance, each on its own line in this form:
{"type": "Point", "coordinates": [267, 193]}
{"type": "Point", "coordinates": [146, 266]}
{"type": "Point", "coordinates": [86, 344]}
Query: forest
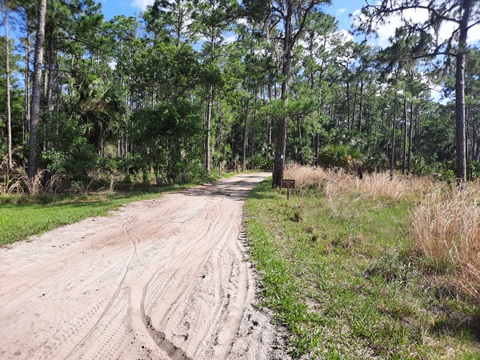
{"type": "Point", "coordinates": [191, 87]}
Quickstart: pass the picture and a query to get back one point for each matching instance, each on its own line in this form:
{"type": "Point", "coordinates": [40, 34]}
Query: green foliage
{"type": "Point", "coordinates": [376, 162]}
{"type": "Point", "coordinates": [139, 89]}
{"type": "Point", "coordinates": [167, 120]}
{"type": "Point", "coordinates": [473, 170]}
{"type": "Point", "coordinates": [69, 153]}
{"type": "Point", "coordinates": [168, 135]}
{"type": "Point", "coordinates": [16, 99]}
{"type": "Point", "coordinates": [338, 155]}
{"type": "Point", "coordinates": [261, 162]}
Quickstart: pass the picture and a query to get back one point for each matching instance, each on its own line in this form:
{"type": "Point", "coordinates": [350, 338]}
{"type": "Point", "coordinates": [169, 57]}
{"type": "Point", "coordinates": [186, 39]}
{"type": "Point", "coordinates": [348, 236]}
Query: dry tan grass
{"type": "Point", "coordinates": [446, 223]}
{"type": "Point", "coordinates": [12, 187]}
{"type": "Point", "coordinates": [447, 234]}
{"type": "Point", "coordinates": [34, 186]}
{"type": "Point", "coordinates": [21, 184]}
{"type": "Point", "coordinates": [375, 185]}
{"type": "Point", "coordinates": [306, 175]}
{"type": "Point", "coordinates": [401, 187]}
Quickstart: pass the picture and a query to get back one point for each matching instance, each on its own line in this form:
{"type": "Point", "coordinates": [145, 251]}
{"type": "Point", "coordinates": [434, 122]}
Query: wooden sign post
{"type": "Point", "coordinates": [288, 184]}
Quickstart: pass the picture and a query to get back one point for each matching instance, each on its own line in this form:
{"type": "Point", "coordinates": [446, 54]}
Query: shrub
{"type": "Point", "coordinates": [261, 162]}
{"type": "Point", "coordinates": [338, 156]}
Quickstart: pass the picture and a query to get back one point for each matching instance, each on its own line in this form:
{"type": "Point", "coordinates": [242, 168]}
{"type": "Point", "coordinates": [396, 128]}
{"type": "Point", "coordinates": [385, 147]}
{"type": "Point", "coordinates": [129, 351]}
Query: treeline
{"type": "Point", "coordinates": [189, 87]}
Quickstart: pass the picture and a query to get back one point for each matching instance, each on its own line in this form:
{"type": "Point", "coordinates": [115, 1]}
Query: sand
{"type": "Point", "coordinates": [160, 279]}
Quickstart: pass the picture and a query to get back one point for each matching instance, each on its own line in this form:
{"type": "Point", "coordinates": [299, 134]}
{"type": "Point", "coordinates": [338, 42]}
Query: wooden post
{"type": "Point", "coordinates": [288, 184]}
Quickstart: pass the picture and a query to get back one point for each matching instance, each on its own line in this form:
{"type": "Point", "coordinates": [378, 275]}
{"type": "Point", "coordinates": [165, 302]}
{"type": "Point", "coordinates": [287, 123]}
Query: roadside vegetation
{"type": "Point", "coordinates": [58, 203]}
{"type": "Point", "coordinates": [370, 268]}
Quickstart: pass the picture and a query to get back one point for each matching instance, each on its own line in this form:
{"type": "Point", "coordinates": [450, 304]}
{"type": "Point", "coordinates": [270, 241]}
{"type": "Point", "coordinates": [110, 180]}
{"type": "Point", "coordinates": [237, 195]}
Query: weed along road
{"type": "Point", "coordinates": [159, 279]}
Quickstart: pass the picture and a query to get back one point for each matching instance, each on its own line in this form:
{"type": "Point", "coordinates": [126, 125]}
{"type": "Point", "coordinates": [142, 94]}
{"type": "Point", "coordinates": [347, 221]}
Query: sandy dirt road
{"type": "Point", "coordinates": [159, 279]}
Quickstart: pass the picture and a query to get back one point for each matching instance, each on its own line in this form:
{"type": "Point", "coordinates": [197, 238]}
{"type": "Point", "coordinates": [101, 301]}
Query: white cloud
{"type": "Point", "coordinates": [142, 4]}
{"type": "Point", "coordinates": [230, 39]}
{"type": "Point", "coordinates": [345, 35]}
{"type": "Point", "coordinates": [436, 90]}
{"type": "Point", "coordinates": [341, 11]}
{"type": "Point", "coordinates": [387, 30]}
{"type": "Point", "coordinates": [242, 21]}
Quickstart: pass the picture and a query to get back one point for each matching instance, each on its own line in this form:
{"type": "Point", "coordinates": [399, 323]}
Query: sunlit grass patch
{"type": "Point", "coordinates": [24, 215]}
{"type": "Point", "coordinates": [340, 269]}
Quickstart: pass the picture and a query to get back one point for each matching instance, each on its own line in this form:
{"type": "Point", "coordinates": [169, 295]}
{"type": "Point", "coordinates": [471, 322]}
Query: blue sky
{"type": "Point", "coordinates": [339, 9]}
{"type": "Point", "coordinates": [118, 7]}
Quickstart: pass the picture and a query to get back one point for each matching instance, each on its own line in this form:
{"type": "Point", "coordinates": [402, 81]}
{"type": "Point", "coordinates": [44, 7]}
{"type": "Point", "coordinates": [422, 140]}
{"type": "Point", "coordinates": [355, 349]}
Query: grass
{"type": "Point", "coordinates": [22, 215]}
{"type": "Point", "coordinates": [447, 234]}
{"type": "Point", "coordinates": [340, 269]}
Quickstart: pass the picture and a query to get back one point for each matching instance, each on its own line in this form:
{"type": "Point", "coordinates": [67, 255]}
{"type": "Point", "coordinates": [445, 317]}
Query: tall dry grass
{"type": "Point", "coordinates": [447, 235]}
{"type": "Point", "coordinates": [12, 187]}
{"type": "Point", "coordinates": [21, 184]}
{"type": "Point", "coordinates": [336, 183]}
{"type": "Point", "coordinates": [446, 221]}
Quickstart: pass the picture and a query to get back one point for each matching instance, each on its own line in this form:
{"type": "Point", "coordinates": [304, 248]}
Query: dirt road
{"type": "Point", "coordinates": [160, 279]}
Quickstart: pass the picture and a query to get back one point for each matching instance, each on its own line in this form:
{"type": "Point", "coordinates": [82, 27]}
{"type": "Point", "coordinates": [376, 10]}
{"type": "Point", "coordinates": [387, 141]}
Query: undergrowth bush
{"type": "Point", "coordinates": [338, 155]}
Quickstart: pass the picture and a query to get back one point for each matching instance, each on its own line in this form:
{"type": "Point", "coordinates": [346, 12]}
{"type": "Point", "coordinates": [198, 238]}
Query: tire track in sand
{"type": "Point", "coordinates": [161, 279]}
{"type": "Point", "coordinates": [133, 240]}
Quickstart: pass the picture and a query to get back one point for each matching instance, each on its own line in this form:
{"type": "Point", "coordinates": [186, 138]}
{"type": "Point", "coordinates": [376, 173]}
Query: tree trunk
{"type": "Point", "coordinates": [470, 121]}
{"type": "Point", "coordinates": [369, 127]}
{"type": "Point", "coordinates": [404, 153]}
{"type": "Point", "coordinates": [354, 110]}
{"type": "Point", "coordinates": [254, 124]}
{"type": "Point", "coordinates": [245, 138]}
{"type": "Point", "coordinates": [385, 132]}
{"type": "Point", "coordinates": [7, 76]}
{"type": "Point", "coordinates": [476, 155]}
{"type": "Point", "coordinates": [394, 128]}
{"type": "Point", "coordinates": [360, 111]}
{"type": "Point", "coordinates": [208, 155]}
{"type": "Point", "coordinates": [417, 127]}
{"type": "Point", "coordinates": [37, 84]}
{"type": "Point", "coordinates": [270, 125]}
{"type": "Point", "coordinates": [348, 106]}
{"type": "Point", "coordinates": [27, 85]}
{"type": "Point", "coordinates": [410, 140]}
{"type": "Point", "coordinates": [49, 74]}
{"type": "Point", "coordinates": [467, 125]}
{"type": "Point", "coordinates": [279, 164]}
{"type": "Point", "coordinates": [460, 135]}
{"type": "Point", "coordinates": [219, 135]}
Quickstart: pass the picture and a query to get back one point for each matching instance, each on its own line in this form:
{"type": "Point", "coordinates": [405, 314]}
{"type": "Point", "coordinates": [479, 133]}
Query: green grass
{"type": "Point", "coordinates": [342, 277]}
{"type": "Point", "coordinates": [22, 216]}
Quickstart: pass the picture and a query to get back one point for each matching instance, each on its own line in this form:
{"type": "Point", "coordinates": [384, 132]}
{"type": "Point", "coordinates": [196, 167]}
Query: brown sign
{"type": "Point", "coordinates": [288, 184]}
